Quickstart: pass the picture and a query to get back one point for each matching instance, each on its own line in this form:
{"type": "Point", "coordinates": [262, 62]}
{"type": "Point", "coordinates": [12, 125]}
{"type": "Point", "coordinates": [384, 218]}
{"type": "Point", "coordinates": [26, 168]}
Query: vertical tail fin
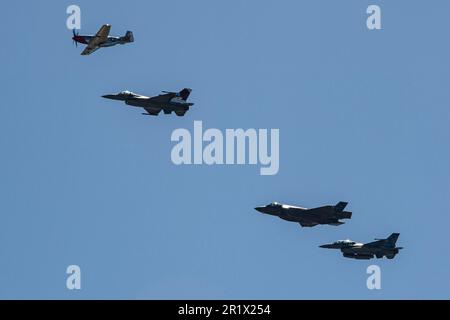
{"type": "Point", "coordinates": [129, 36]}
{"type": "Point", "coordinates": [184, 94]}
{"type": "Point", "coordinates": [392, 239]}
{"type": "Point", "coordinates": [340, 206]}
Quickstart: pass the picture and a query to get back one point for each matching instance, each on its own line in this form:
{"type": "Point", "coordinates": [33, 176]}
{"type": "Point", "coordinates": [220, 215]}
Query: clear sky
{"type": "Point", "coordinates": [363, 117]}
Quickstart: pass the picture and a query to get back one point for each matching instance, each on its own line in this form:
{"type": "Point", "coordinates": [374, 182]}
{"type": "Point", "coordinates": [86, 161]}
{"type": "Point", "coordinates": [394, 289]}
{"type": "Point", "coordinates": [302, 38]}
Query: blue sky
{"type": "Point", "coordinates": [363, 117]}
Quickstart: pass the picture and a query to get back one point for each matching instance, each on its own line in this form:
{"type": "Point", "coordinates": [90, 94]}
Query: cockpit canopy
{"type": "Point", "coordinates": [274, 204]}
{"type": "Point", "coordinates": [348, 242]}
{"type": "Point", "coordinates": [126, 93]}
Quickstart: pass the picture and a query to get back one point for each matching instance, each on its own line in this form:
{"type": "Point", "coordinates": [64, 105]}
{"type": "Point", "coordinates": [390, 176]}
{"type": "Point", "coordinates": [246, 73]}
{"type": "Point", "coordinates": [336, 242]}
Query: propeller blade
{"type": "Point", "coordinates": [75, 34]}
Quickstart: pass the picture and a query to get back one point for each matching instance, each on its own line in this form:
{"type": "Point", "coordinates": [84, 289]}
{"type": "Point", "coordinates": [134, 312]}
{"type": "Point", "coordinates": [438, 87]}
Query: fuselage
{"type": "Point", "coordinates": [110, 41]}
{"type": "Point", "coordinates": [283, 211]}
{"type": "Point", "coordinates": [369, 250]}
{"type": "Point", "coordinates": [137, 100]}
{"type": "Point", "coordinates": [352, 249]}
{"type": "Point", "coordinates": [305, 216]}
{"type": "Point", "coordinates": [146, 102]}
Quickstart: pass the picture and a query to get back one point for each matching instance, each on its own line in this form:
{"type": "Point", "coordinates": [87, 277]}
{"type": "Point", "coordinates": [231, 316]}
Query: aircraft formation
{"type": "Point", "coordinates": [176, 102]}
{"type": "Point", "coordinates": [331, 215]}
{"type": "Point", "coordinates": [167, 102]}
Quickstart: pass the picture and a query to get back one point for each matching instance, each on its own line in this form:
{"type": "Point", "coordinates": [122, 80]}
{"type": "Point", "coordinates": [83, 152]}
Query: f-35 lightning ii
{"type": "Point", "coordinates": [308, 217]}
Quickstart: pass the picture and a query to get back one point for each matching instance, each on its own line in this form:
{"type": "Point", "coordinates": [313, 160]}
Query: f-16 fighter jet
{"type": "Point", "coordinates": [167, 102]}
{"type": "Point", "coordinates": [101, 40]}
{"type": "Point", "coordinates": [379, 248]}
{"type": "Point", "coordinates": [308, 217]}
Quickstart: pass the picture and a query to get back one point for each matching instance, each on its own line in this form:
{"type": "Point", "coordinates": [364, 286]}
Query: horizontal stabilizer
{"type": "Point", "coordinates": [345, 215]}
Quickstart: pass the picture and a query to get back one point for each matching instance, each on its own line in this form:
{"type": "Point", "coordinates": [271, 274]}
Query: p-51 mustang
{"type": "Point", "coordinates": [101, 40]}
{"type": "Point", "coordinates": [168, 102]}
{"type": "Point", "coordinates": [379, 248]}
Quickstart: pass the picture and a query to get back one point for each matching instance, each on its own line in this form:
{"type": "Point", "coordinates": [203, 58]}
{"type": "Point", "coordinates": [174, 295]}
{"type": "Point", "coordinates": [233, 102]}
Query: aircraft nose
{"type": "Point", "coordinates": [260, 209]}
{"type": "Point", "coordinates": [326, 246]}
{"type": "Point", "coordinates": [110, 96]}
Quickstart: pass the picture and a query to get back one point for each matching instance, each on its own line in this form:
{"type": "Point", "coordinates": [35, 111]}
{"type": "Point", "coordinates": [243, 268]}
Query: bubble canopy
{"type": "Point", "coordinates": [274, 204]}
{"type": "Point", "coordinates": [348, 241]}
{"type": "Point", "coordinates": [126, 92]}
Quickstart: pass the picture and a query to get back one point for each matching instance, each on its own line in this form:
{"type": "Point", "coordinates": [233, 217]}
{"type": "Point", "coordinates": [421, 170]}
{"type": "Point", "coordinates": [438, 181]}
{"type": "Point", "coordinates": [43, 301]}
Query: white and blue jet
{"type": "Point", "coordinates": [101, 40]}
{"type": "Point", "coordinates": [364, 251]}
{"type": "Point", "coordinates": [167, 102]}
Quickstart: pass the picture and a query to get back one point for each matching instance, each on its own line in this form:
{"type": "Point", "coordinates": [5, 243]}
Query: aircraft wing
{"type": "Point", "coordinates": [102, 34]}
{"type": "Point", "coordinates": [163, 98]}
{"type": "Point", "coordinates": [100, 37]}
{"type": "Point", "coordinates": [308, 224]}
{"type": "Point", "coordinates": [152, 111]}
{"type": "Point", "coordinates": [88, 50]}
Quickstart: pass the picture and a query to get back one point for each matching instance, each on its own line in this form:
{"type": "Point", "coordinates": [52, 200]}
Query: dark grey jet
{"type": "Point", "coordinates": [168, 102]}
{"type": "Point", "coordinates": [379, 248]}
{"type": "Point", "coordinates": [308, 217]}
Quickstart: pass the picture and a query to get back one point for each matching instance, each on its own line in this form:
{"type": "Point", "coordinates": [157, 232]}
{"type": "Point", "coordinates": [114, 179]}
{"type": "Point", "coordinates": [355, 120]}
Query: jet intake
{"type": "Point", "coordinates": [358, 256]}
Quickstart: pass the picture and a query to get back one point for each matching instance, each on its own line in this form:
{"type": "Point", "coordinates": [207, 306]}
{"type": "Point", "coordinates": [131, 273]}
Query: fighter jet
{"type": "Point", "coordinates": [101, 40]}
{"type": "Point", "coordinates": [167, 102]}
{"type": "Point", "coordinates": [308, 217]}
{"type": "Point", "coordinates": [379, 248]}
